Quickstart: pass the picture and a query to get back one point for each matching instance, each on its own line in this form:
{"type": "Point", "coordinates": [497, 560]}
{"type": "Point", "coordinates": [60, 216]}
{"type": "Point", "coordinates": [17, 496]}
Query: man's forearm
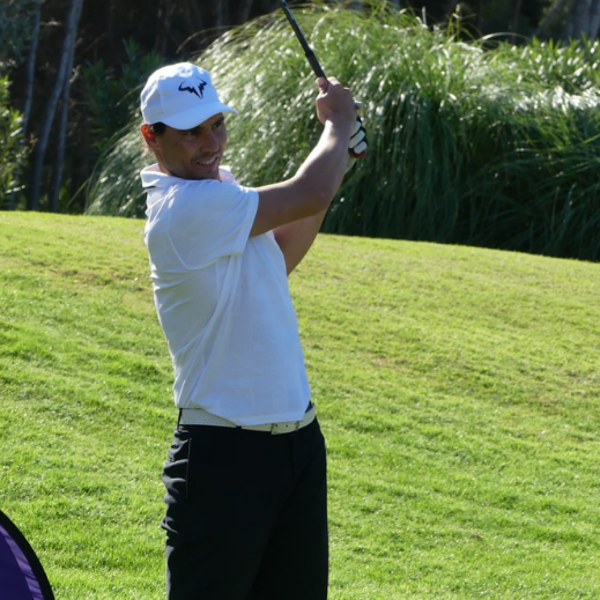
{"type": "Point", "coordinates": [326, 164]}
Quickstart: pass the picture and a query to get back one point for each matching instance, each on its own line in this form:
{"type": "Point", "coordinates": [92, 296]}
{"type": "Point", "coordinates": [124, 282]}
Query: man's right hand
{"type": "Point", "coordinates": [335, 102]}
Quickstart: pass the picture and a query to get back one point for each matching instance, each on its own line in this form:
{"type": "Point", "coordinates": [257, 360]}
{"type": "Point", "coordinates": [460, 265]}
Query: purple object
{"type": "Point", "coordinates": [22, 576]}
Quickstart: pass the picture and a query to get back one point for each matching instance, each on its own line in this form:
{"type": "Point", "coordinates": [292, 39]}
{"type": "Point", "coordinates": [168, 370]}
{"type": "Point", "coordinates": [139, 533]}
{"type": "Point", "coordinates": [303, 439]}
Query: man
{"type": "Point", "coordinates": [246, 475]}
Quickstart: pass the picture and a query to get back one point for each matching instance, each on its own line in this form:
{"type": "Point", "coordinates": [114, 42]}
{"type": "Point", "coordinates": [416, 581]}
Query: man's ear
{"type": "Point", "coordinates": [148, 136]}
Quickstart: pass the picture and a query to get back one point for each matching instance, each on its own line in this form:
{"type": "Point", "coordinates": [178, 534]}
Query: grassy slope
{"type": "Point", "coordinates": [458, 389]}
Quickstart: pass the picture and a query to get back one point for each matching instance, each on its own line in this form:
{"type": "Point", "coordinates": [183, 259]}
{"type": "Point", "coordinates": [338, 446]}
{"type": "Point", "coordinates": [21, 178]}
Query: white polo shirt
{"type": "Point", "coordinates": [223, 301]}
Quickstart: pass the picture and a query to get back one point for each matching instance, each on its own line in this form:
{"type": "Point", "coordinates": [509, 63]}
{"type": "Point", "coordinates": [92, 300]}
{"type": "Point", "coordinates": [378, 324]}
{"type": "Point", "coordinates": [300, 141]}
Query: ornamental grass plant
{"type": "Point", "coordinates": [471, 141]}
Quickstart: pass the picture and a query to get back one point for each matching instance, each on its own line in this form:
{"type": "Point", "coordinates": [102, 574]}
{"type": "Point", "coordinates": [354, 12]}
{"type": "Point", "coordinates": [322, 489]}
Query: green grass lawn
{"type": "Point", "coordinates": [458, 389]}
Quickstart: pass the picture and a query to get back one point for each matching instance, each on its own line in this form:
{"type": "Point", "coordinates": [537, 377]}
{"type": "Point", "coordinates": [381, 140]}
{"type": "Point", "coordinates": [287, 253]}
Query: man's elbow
{"type": "Point", "coordinates": [318, 196]}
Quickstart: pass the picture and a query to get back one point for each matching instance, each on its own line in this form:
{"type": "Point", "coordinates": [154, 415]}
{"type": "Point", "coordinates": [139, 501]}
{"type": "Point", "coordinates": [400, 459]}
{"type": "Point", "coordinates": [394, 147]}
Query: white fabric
{"type": "Point", "coordinates": [358, 141]}
{"type": "Point", "coordinates": [357, 146]}
{"type": "Point", "coordinates": [181, 96]}
{"type": "Point", "coordinates": [223, 302]}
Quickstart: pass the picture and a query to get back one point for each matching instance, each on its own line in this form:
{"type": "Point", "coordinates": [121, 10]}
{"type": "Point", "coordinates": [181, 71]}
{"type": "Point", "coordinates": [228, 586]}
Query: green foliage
{"type": "Point", "coordinates": [12, 151]}
{"type": "Point", "coordinates": [112, 98]}
{"type": "Point", "coordinates": [468, 144]}
{"type": "Point", "coordinates": [16, 18]}
{"type": "Point", "coordinates": [457, 389]}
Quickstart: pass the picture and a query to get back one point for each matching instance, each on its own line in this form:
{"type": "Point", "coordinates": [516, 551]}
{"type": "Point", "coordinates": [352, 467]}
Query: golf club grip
{"type": "Point", "coordinates": [314, 63]}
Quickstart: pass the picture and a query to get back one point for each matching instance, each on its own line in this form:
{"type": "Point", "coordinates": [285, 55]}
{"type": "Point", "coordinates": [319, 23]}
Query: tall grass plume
{"type": "Point", "coordinates": [470, 144]}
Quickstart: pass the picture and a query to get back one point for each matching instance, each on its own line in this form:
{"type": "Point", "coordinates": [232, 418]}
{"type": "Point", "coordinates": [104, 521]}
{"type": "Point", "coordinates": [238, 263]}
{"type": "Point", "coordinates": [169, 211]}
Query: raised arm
{"type": "Point", "coordinates": [295, 208]}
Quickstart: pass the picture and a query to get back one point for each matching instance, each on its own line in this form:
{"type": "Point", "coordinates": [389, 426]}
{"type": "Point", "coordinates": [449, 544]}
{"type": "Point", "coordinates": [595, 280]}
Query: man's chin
{"type": "Point", "coordinates": [207, 171]}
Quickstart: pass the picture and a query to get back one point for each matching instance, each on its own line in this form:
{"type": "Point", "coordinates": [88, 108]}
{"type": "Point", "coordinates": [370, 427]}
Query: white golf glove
{"type": "Point", "coordinates": [357, 146]}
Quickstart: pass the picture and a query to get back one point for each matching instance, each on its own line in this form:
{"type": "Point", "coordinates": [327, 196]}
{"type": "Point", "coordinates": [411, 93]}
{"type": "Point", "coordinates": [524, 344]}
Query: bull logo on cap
{"type": "Point", "coordinates": [193, 88]}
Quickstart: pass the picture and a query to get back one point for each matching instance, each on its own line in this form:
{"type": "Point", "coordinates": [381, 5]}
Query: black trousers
{"type": "Point", "coordinates": [246, 515]}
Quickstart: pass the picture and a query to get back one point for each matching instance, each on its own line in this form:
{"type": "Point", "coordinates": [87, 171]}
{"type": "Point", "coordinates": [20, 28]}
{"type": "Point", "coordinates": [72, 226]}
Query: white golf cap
{"type": "Point", "coordinates": [180, 96]}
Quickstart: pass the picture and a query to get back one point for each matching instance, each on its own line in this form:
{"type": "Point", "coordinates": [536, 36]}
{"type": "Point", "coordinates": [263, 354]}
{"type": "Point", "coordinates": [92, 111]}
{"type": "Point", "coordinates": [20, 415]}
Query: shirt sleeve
{"type": "Point", "coordinates": [209, 220]}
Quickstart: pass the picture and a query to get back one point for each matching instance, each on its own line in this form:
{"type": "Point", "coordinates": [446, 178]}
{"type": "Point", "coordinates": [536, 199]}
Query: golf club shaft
{"type": "Point", "coordinates": [314, 63]}
{"type": "Point", "coordinates": [310, 55]}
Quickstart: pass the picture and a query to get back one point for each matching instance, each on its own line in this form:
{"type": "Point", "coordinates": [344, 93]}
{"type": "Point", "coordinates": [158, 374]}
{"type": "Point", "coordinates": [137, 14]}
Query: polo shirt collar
{"type": "Point", "coordinates": [153, 177]}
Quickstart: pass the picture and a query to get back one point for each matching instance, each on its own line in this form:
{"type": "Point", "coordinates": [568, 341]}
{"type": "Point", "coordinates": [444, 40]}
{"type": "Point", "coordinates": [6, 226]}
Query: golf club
{"type": "Point", "coordinates": [315, 65]}
{"type": "Point", "coordinates": [308, 52]}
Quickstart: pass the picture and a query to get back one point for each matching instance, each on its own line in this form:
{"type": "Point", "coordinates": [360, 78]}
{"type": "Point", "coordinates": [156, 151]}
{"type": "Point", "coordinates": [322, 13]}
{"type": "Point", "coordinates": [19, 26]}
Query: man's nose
{"type": "Point", "coordinates": [211, 141]}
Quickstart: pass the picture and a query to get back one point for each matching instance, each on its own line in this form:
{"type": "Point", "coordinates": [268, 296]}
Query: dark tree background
{"type": "Point", "coordinates": [74, 74]}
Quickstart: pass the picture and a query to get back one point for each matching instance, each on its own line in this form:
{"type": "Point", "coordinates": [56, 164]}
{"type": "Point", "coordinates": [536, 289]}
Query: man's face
{"type": "Point", "coordinates": [193, 153]}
